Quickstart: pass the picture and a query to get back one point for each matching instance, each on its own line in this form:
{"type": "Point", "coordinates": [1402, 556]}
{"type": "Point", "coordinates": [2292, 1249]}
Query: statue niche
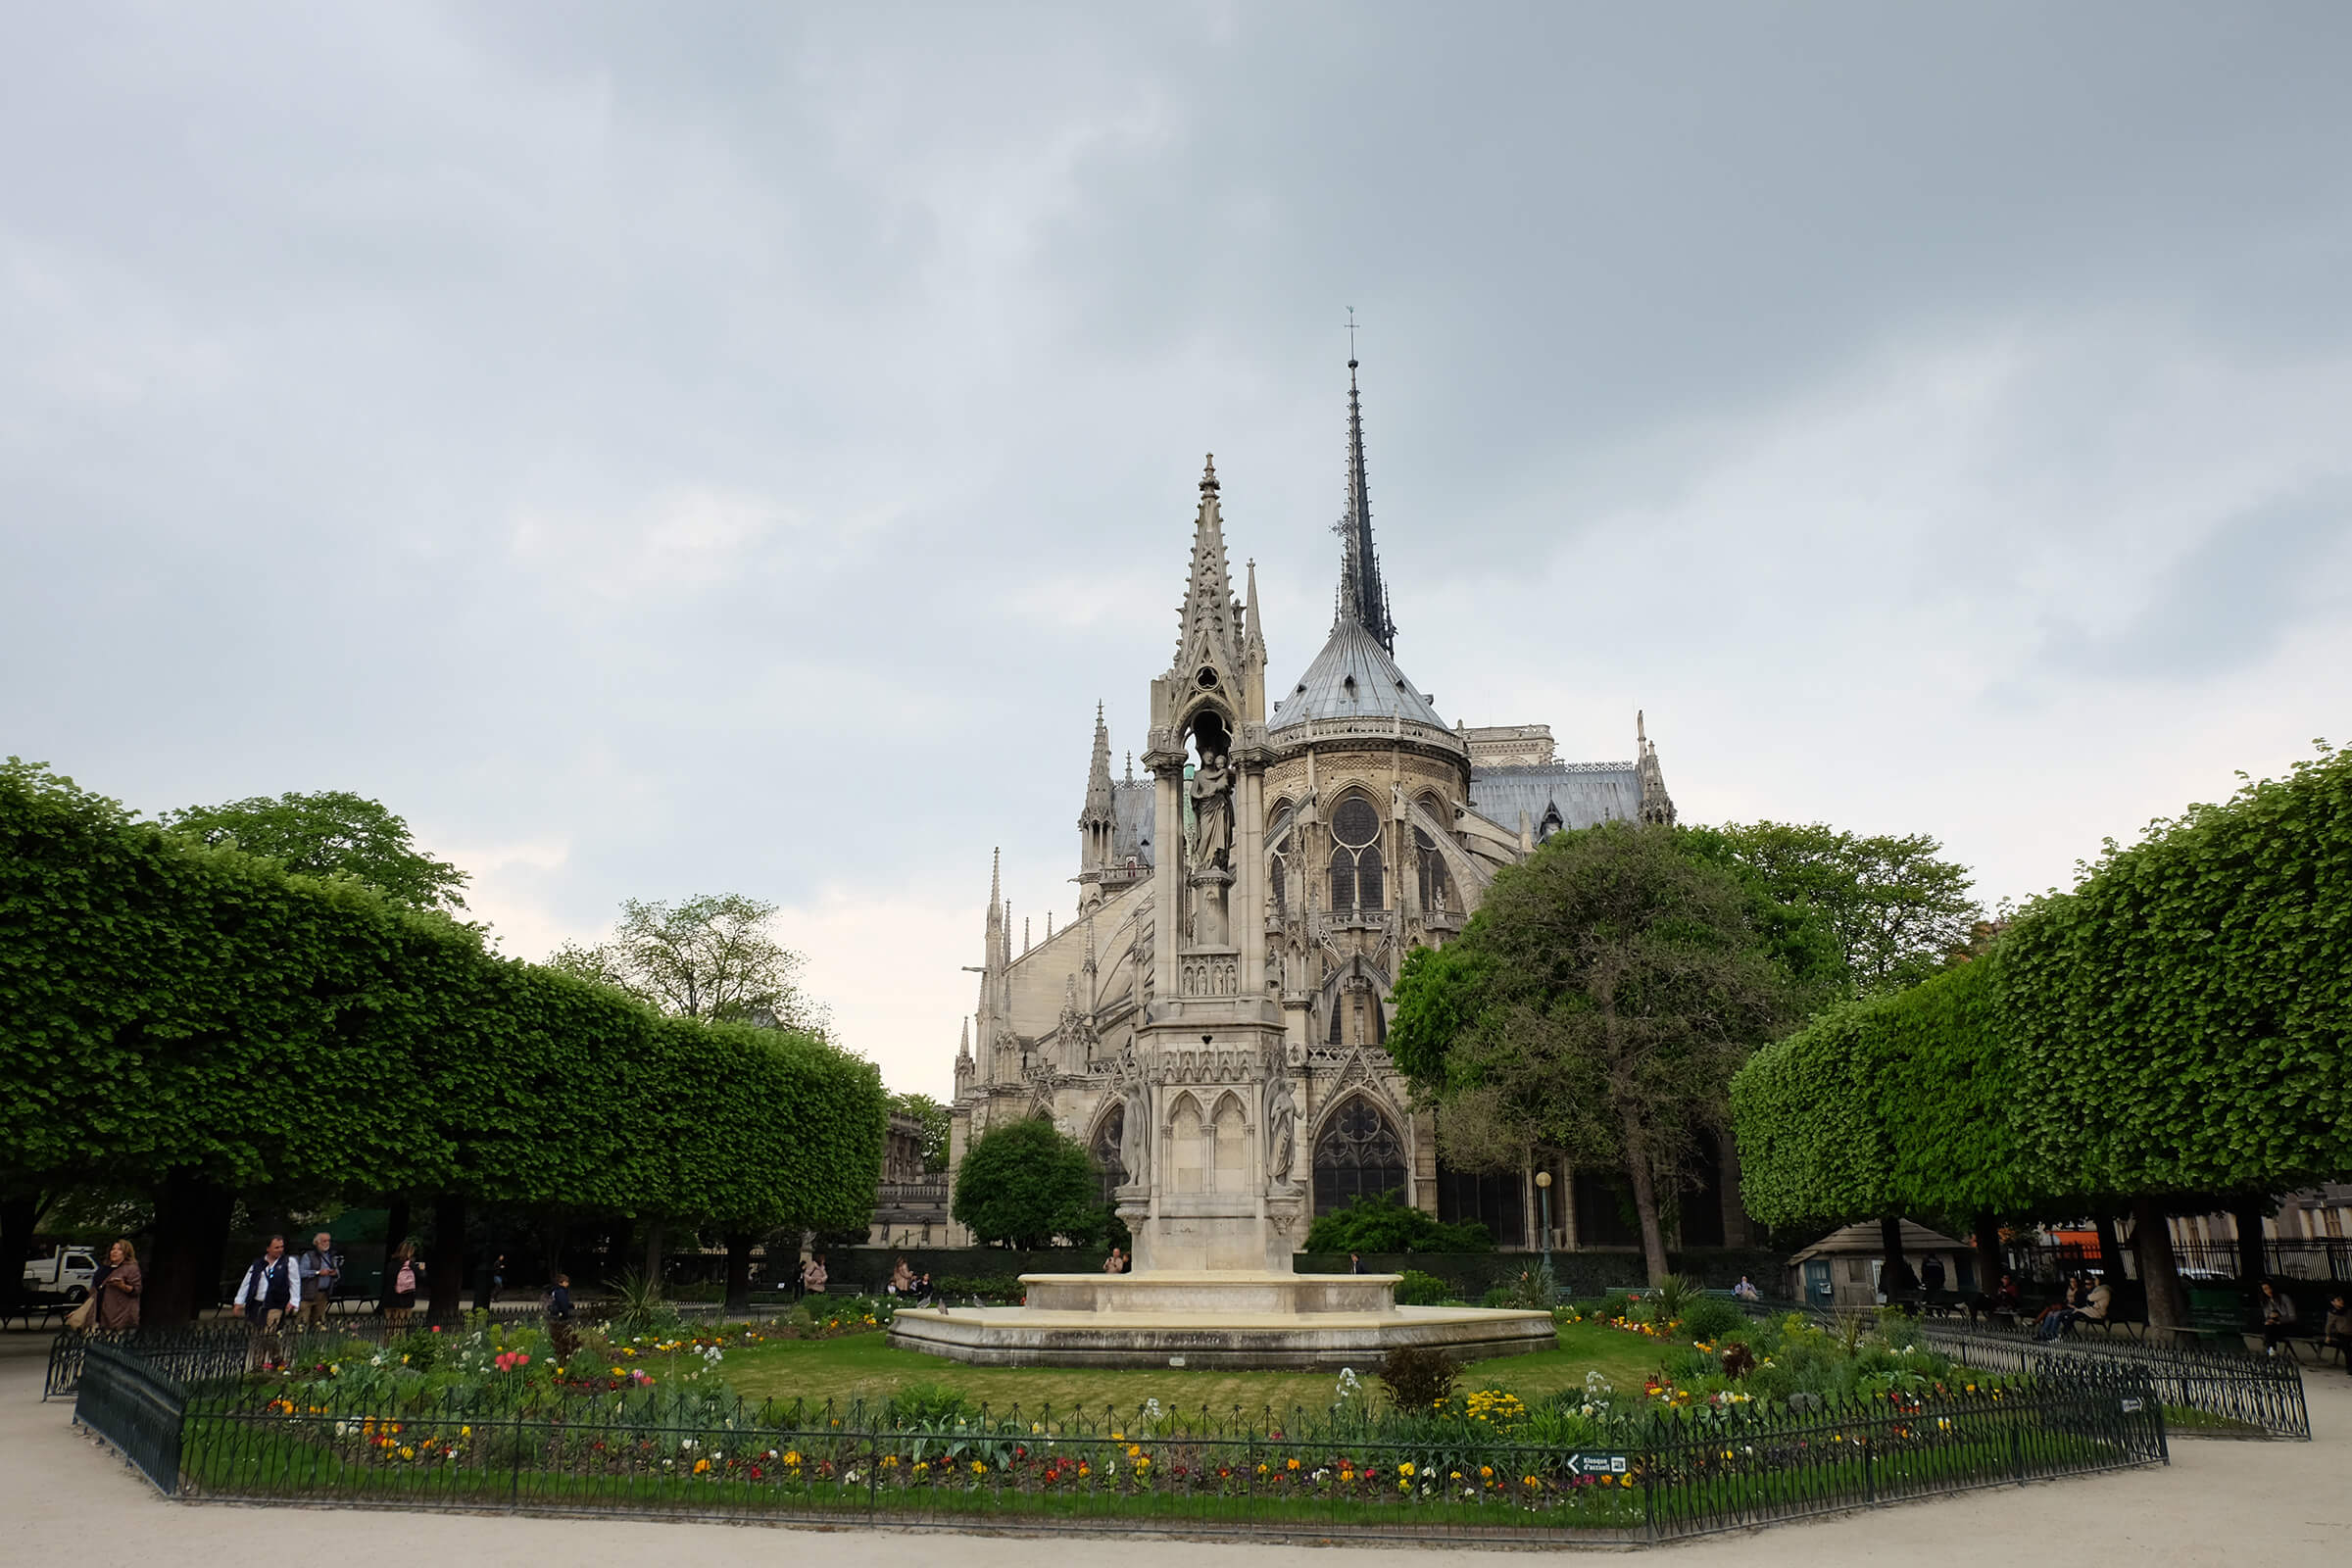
{"type": "Point", "coordinates": [1210, 859]}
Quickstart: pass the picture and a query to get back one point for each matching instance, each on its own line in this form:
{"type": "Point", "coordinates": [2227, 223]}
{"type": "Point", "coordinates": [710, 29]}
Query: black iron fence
{"type": "Point", "coordinates": [1150, 1470]}
{"type": "Point", "coordinates": [134, 1404]}
{"type": "Point", "coordinates": [226, 1346]}
{"type": "Point", "coordinates": [2323, 1258]}
{"type": "Point", "coordinates": [2232, 1387]}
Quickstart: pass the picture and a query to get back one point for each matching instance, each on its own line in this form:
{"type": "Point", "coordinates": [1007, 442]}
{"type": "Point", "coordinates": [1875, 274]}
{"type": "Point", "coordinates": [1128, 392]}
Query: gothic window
{"type": "Point", "coordinates": [1105, 1149]}
{"type": "Point", "coordinates": [1551, 823]}
{"type": "Point", "coordinates": [1335, 1021]}
{"type": "Point", "coordinates": [1355, 860]}
{"type": "Point", "coordinates": [1185, 1151]}
{"type": "Point", "coordinates": [1278, 879]}
{"type": "Point", "coordinates": [1435, 890]}
{"type": "Point", "coordinates": [1358, 1152]}
{"type": "Point", "coordinates": [1228, 1148]}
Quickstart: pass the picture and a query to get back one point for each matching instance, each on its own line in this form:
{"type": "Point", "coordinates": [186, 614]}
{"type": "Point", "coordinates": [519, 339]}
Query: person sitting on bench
{"type": "Point", "coordinates": [2278, 1317]}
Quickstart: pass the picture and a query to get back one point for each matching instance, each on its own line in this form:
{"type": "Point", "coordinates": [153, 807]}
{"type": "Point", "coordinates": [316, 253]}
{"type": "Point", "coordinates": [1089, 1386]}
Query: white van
{"type": "Point", "coordinates": [65, 1272]}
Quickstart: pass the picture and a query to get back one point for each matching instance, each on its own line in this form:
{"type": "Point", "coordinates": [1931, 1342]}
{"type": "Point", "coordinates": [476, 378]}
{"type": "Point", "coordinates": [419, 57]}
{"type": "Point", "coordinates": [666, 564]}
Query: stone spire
{"type": "Point", "coordinates": [1254, 642]}
{"type": "Point", "coordinates": [1657, 806]}
{"type": "Point", "coordinates": [1208, 622]}
{"type": "Point", "coordinates": [1363, 598]}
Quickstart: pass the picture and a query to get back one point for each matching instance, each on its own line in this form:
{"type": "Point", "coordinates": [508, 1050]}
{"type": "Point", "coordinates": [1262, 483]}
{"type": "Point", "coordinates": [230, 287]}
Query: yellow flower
{"type": "Point", "coordinates": [978, 1468]}
{"type": "Point", "coordinates": [1405, 1469]}
{"type": "Point", "coordinates": [1291, 1465]}
{"type": "Point", "coordinates": [407, 1452]}
{"type": "Point", "coordinates": [1261, 1469]}
{"type": "Point", "coordinates": [1119, 1437]}
{"type": "Point", "coordinates": [465, 1431]}
{"type": "Point", "coordinates": [1486, 1471]}
{"type": "Point", "coordinates": [1530, 1481]}
{"type": "Point", "coordinates": [890, 1461]}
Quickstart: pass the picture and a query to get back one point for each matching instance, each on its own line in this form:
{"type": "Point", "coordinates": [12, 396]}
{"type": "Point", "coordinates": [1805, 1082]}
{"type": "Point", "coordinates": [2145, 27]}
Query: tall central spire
{"type": "Point", "coordinates": [1362, 599]}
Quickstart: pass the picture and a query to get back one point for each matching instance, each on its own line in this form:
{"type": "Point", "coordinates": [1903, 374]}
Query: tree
{"type": "Point", "coordinates": [1022, 1184]}
{"type": "Point", "coordinates": [1599, 1002]}
{"type": "Point", "coordinates": [709, 958]}
{"type": "Point", "coordinates": [938, 1123]}
{"type": "Point", "coordinates": [330, 833]}
{"type": "Point", "coordinates": [1897, 912]}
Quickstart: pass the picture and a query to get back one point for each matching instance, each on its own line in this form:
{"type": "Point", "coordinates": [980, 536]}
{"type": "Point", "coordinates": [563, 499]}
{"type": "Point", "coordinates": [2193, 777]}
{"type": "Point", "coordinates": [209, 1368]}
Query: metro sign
{"type": "Point", "coordinates": [1596, 1464]}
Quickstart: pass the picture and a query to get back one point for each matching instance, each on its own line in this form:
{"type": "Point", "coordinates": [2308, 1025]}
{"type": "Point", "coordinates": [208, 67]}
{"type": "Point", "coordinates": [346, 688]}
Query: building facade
{"type": "Point", "coordinates": [1286, 856]}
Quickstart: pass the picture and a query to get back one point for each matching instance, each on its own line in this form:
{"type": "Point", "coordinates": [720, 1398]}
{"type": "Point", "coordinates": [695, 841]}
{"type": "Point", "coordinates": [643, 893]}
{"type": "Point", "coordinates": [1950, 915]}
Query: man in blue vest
{"type": "Point", "coordinates": [271, 1289]}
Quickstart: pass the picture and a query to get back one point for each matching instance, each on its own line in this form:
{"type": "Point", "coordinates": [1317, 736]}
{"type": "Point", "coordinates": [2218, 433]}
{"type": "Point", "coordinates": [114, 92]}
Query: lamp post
{"type": "Point", "coordinates": [1543, 1192]}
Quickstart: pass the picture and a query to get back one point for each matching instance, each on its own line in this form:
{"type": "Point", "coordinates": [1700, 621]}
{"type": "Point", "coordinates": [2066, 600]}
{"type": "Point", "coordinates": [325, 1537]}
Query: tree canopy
{"type": "Point", "coordinates": [1597, 1002]}
{"type": "Point", "coordinates": [2176, 1031]}
{"type": "Point", "coordinates": [1896, 911]}
{"type": "Point", "coordinates": [1022, 1183]}
{"type": "Point", "coordinates": [712, 957]}
{"type": "Point", "coordinates": [938, 1123]}
{"type": "Point", "coordinates": [329, 833]}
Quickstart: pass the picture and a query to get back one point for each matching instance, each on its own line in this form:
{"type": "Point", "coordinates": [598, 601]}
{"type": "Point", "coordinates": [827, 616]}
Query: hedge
{"type": "Point", "coordinates": [2179, 1024]}
{"type": "Point", "coordinates": [173, 1013]}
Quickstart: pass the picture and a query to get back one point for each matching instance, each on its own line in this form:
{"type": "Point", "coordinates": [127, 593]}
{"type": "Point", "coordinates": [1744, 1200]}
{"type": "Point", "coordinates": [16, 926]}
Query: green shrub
{"type": "Point", "coordinates": [921, 1405]}
{"type": "Point", "coordinates": [1416, 1289]}
{"type": "Point", "coordinates": [1417, 1378]}
{"type": "Point", "coordinates": [1711, 1317]}
{"type": "Point", "coordinates": [1376, 1222]}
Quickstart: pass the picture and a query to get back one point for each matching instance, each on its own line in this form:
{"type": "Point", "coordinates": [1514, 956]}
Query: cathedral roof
{"type": "Point", "coordinates": [1352, 677]}
{"type": "Point", "coordinates": [1577, 793]}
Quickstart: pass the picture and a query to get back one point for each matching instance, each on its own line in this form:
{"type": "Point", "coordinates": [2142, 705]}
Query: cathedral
{"type": "Point", "coordinates": [1273, 866]}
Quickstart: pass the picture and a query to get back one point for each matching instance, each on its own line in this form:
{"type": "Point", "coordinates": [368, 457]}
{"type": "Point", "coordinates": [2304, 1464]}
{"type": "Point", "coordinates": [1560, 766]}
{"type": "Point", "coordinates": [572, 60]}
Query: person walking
{"type": "Point", "coordinates": [270, 1289]}
{"type": "Point", "coordinates": [559, 1300]}
{"type": "Point", "coordinates": [320, 1272]}
{"type": "Point", "coordinates": [408, 1275]}
{"type": "Point", "coordinates": [119, 1295]}
{"type": "Point", "coordinates": [1931, 1277]}
{"type": "Point", "coordinates": [2278, 1317]}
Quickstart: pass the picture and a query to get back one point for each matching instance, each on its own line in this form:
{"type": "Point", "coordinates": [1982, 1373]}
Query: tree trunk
{"type": "Point", "coordinates": [1894, 1274]}
{"type": "Point", "coordinates": [445, 1277]}
{"type": "Point", "coordinates": [739, 1270]}
{"type": "Point", "coordinates": [2111, 1250]}
{"type": "Point", "coordinates": [191, 1231]}
{"type": "Point", "coordinates": [2152, 1240]}
{"type": "Point", "coordinates": [1989, 1253]}
{"type": "Point", "coordinates": [2246, 1216]}
{"type": "Point", "coordinates": [653, 1256]}
{"type": "Point", "coordinates": [1645, 1209]}
{"type": "Point", "coordinates": [19, 1215]}
{"type": "Point", "coordinates": [396, 1231]}
{"type": "Point", "coordinates": [620, 1239]}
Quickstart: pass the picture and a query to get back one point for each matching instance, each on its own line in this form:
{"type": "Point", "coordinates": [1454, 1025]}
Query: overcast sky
{"type": "Point", "coordinates": [664, 450]}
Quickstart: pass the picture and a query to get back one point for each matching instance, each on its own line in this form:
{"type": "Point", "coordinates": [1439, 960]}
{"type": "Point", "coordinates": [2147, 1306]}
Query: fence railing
{"type": "Point", "coordinates": [2256, 1392]}
{"type": "Point", "coordinates": [225, 1346]}
{"type": "Point", "coordinates": [134, 1404]}
{"type": "Point", "coordinates": [1153, 1471]}
{"type": "Point", "coordinates": [2307, 1258]}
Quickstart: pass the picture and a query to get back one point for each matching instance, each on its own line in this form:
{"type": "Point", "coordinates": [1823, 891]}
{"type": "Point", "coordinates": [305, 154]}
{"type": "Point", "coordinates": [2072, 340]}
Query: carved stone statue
{"type": "Point", "coordinates": [1211, 790]}
{"type": "Point", "coordinates": [1135, 1121]}
{"type": "Point", "coordinates": [1282, 1129]}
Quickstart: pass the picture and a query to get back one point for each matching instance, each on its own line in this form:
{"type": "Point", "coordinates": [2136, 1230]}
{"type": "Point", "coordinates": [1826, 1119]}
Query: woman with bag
{"type": "Point", "coordinates": [407, 1276]}
{"type": "Point", "coordinates": [117, 1294]}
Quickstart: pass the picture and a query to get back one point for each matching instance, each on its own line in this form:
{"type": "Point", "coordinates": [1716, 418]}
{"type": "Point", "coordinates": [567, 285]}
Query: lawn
{"type": "Point", "coordinates": [864, 1366]}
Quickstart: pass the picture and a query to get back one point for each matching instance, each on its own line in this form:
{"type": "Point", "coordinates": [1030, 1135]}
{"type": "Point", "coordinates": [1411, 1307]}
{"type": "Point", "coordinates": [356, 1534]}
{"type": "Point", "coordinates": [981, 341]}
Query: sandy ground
{"type": "Point", "coordinates": [2274, 1504]}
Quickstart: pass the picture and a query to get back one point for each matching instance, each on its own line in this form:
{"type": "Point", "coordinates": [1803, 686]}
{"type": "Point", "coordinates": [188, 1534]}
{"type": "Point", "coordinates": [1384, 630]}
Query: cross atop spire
{"type": "Point", "coordinates": [1363, 598]}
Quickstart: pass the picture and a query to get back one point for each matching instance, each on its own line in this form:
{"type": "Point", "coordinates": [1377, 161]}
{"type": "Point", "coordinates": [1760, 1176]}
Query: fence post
{"type": "Point", "coordinates": [515, 1470]}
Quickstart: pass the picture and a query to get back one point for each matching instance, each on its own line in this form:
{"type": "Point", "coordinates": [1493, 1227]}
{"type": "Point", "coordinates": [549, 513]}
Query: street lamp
{"type": "Point", "coordinates": [1543, 1189]}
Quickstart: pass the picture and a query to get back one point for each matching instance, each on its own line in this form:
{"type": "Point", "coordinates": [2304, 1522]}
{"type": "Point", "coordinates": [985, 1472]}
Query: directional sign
{"type": "Point", "coordinates": [1596, 1464]}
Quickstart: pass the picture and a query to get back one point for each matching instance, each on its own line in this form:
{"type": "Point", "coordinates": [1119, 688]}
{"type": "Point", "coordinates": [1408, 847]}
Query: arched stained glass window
{"type": "Point", "coordinates": [1358, 1152]}
{"type": "Point", "coordinates": [1356, 882]}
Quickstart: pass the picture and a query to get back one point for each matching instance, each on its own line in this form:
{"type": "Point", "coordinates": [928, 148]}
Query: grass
{"type": "Point", "coordinates": [864, 1366]}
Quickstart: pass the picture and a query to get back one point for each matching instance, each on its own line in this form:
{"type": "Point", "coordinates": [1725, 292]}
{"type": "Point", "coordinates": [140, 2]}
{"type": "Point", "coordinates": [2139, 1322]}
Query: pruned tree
{"type": "Point", "coordinates": [1023, 1183]}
